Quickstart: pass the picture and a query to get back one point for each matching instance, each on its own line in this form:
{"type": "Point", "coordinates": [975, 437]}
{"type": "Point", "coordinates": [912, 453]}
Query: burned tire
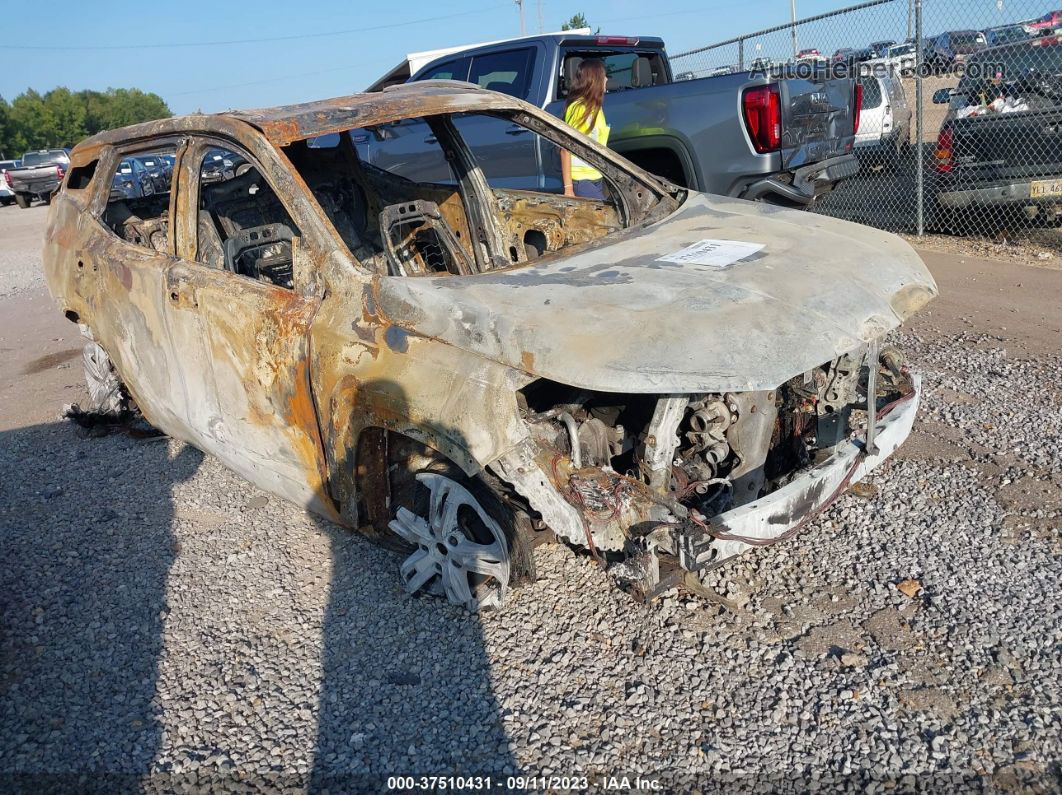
{"type": "Point", "coordinates": [107, 396]}
{"type": "Point", "coordinates": [23, 200]}
{"type": "Point", "coordinates": [466, 544]}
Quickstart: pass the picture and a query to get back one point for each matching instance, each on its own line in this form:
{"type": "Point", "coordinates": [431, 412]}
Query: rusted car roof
{"type": "Point", "coordinates": [286, 123]}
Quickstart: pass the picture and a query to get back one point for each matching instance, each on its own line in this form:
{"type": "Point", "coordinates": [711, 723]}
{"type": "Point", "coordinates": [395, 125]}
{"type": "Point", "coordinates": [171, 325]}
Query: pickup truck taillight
{"type": "Point", "coordinates": [763, 117]}
{"type": "Point", "coordinates": [60, 173]}
{"type": "Point", "coordinates": [942, 157]}
{"type": "Point", "coordinates": [858, 107]}
{"type": "Point", "coordinates": [7, 179]}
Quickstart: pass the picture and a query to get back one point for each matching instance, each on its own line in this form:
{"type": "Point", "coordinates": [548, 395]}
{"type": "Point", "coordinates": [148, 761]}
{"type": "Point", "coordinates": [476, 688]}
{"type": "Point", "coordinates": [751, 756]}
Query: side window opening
{"type": "Point", "coordinates": [508, 72]}
{"type": "Point", "coordinates": [449, 70]}
{"type": "Point", "coordinates": [139, 197]}
{"type": "Point", "coordinates": [871, 92]}
{"type": "Point", "coordinates": [392, 195]}
{"type": "Point", "coordinates": [523, 169]}
{"type": "Point", "coordinates": [81, 176]}
{"type": "Point", "coordinates": [242, 226]}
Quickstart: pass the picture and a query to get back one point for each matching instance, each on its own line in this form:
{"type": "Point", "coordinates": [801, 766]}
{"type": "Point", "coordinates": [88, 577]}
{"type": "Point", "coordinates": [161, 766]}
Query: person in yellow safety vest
{"type": "Point", "coordinates": [585, 114]}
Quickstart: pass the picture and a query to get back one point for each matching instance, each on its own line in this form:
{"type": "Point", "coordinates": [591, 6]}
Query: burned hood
{"type": "Point", "coordinates": [615, 317]}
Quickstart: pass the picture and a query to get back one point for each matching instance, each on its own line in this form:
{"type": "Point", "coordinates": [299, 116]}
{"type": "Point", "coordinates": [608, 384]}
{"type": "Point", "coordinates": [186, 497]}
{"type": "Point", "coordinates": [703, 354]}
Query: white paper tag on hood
{"type": "Point", "coordinates": [714, 253]}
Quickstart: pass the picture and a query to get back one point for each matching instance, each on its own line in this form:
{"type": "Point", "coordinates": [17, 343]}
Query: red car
{"type": "Point", "coordinates": [1046, 24]}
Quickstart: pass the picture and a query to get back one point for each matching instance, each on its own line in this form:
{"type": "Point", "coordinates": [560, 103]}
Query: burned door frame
{"type": "Point", "coordinates": [126, 285]}
{"type": "Point", "coordinates": [254, 340]}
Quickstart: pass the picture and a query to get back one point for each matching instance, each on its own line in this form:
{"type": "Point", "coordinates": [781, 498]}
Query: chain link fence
{"type": "Point", "coordinates": [961, 116]}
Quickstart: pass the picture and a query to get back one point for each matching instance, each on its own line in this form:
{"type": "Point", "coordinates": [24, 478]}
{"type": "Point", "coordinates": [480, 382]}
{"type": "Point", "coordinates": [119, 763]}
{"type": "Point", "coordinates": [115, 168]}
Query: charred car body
{"type": "Point", "coordinates": [457, 369]}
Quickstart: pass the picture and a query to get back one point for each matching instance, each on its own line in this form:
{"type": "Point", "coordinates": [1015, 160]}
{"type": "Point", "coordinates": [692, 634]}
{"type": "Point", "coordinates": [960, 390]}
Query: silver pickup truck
{"type": "Point", "coordinates": [783, 137]}
{"type": "Point", "coordinates": [41, 173]}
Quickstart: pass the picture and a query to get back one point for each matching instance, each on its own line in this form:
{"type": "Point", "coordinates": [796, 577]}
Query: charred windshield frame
{"type": "Point", "coordinates": [641, 198]}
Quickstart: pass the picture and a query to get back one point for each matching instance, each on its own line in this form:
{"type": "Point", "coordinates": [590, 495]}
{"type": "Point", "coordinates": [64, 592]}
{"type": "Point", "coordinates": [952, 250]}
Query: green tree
{"type": "Point", "coordinates": [131, 106]}
{"type": "Point", "coordinates": [32, 121]}
{"type": "Point", "coordinates": [67, 115]}
{"type": "Point", "coordinates": [577, 21]}
{"type": "Point", "coordinates": [62, 117]}
{"type": "Point", "coordinates": [9, 147]}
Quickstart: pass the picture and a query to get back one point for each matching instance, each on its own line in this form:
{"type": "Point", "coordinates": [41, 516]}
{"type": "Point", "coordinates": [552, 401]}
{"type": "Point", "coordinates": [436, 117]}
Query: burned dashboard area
{"type": "Point", "coordinates": [654, 477]}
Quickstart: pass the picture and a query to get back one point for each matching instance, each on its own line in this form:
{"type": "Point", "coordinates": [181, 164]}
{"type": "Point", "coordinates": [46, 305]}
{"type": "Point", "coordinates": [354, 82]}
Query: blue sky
{"type": "Point", "coordinates": [315, 62]}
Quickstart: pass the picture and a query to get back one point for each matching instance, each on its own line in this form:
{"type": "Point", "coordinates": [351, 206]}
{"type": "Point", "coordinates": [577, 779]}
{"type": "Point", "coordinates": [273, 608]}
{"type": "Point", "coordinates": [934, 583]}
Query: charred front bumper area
{"type": "Point", "coordinates": [660, 485]}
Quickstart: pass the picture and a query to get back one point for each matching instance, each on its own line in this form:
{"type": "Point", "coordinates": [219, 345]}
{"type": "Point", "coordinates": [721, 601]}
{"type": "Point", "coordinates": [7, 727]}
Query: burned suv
{"type": "Point", "coordinates": [465, 365]}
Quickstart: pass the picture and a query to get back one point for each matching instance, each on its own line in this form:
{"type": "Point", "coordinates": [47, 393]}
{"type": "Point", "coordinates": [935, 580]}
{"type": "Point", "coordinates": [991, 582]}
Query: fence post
{"type": "Point", "coordinates": [919, 162]}
{"type": "Point", "coordinates": [741, 55]}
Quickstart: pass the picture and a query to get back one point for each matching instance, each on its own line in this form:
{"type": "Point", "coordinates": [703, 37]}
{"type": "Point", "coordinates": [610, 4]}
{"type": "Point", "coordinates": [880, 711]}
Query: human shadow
{"type": "Point", "coordinates": [405, 685]}
{"type": "Point", "coordinates": [85, 550]}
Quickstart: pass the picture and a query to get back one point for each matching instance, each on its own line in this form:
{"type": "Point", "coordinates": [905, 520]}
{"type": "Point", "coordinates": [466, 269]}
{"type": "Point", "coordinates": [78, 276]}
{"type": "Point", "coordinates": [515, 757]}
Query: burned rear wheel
{"type": "Point", "coordinates": [463, 535]}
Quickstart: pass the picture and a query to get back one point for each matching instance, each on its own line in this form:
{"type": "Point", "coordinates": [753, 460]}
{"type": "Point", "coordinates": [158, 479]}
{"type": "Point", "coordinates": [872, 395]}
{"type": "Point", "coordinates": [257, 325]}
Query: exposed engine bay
{"type": "Point", "coordinates": [651, 474]}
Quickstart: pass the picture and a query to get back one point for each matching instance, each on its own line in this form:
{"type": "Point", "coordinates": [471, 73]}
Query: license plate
{"type": "Point", "coordinates": [1045, 187]}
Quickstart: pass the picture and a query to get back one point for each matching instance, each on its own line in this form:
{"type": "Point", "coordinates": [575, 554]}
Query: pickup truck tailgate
{"type": "Point", "coordinates": [39, 179]}
{"type": "Point", "coordinates": [1008, 145]}
{"type": "Point", "coordinates": [817, 119]}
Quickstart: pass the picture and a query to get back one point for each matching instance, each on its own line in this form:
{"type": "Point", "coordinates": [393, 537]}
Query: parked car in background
{"type": "Point", "coordinates": [810, 54]}
{"type": "Point", "coordinates": [902, 57]}
{"type": "Point", "coordinates": [999, 147]}
{"type": "Point", "coordinates": [1045, 25]}
{"type": "Point", "coordinates": [450, 367]}
{"type": "Point", "coordinates": [159, 171]}
{"type": "Point", "coordinates": [132, 180]}
{"type": "Point", "coordinates": [884, 118]}
{"type": "Point", "coordinates": [752, 134]}
{"type": "Point", "coordinates": [7, 196]}
{"type": "Point", "coordinates": [950, 50]}
{"type": "Point", "coordinates": [721, 70]}
{"type": "Point", "coordinates": [38, 174]}
{"type": "Point", "coordinates": [860, 56]}
{"type": "Point", "coordinates": [879, 49]}
{"type": "Point", "coordinates": [219, 165]}
{"type": "Point", "coordinates": [1006, 34]}
{"type": "Point", "coordinates": [844, 54]}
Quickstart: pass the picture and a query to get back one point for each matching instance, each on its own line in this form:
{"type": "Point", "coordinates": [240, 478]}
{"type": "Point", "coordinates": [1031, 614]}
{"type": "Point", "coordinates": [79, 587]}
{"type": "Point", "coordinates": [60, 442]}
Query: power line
{"type": "Point", "coordinates": [344, 32]}
{"type": "Point", "coordinates": [276, 79]}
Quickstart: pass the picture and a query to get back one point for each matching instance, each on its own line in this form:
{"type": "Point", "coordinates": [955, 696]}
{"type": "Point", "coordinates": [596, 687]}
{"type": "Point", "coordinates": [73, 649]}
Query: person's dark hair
{"type": "Point", "coordinates": [588, 86]}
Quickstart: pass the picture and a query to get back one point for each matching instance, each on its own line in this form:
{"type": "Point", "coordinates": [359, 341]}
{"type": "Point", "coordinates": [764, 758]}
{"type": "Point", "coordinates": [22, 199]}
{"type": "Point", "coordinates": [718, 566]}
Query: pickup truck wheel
{"type": "Point", "coordinates": [23, 200]}
{"type": "Point", "coordinates": [463, 536]}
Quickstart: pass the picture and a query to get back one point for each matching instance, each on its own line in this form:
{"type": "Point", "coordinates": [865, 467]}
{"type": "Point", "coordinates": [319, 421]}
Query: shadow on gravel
{"type": "Point", "coordinates": [85, 550]}
{"type": "Point", "coordinates": [405, 681]}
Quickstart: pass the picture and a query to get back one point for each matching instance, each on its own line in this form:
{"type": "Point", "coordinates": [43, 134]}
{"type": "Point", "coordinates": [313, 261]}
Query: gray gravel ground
{"type": "Point", "coordinates": [162, 615]}
{"type": "Point", "coordinates": [20, 248]}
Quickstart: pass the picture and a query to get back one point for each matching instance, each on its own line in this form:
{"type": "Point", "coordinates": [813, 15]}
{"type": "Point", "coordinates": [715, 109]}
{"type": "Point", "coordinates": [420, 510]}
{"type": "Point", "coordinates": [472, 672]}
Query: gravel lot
{"type": "Point", "coordinates": [165, 621]}
{"type": "Point", "coordinates": [20, 248]}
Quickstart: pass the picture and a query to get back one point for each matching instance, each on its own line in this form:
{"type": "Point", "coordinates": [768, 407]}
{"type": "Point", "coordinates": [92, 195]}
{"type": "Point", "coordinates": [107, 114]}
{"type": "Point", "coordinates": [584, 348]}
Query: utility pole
{"type": "Point", "coordinates": [523, 26]}
{"type": "Point", "coordinates": [792, 16]}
